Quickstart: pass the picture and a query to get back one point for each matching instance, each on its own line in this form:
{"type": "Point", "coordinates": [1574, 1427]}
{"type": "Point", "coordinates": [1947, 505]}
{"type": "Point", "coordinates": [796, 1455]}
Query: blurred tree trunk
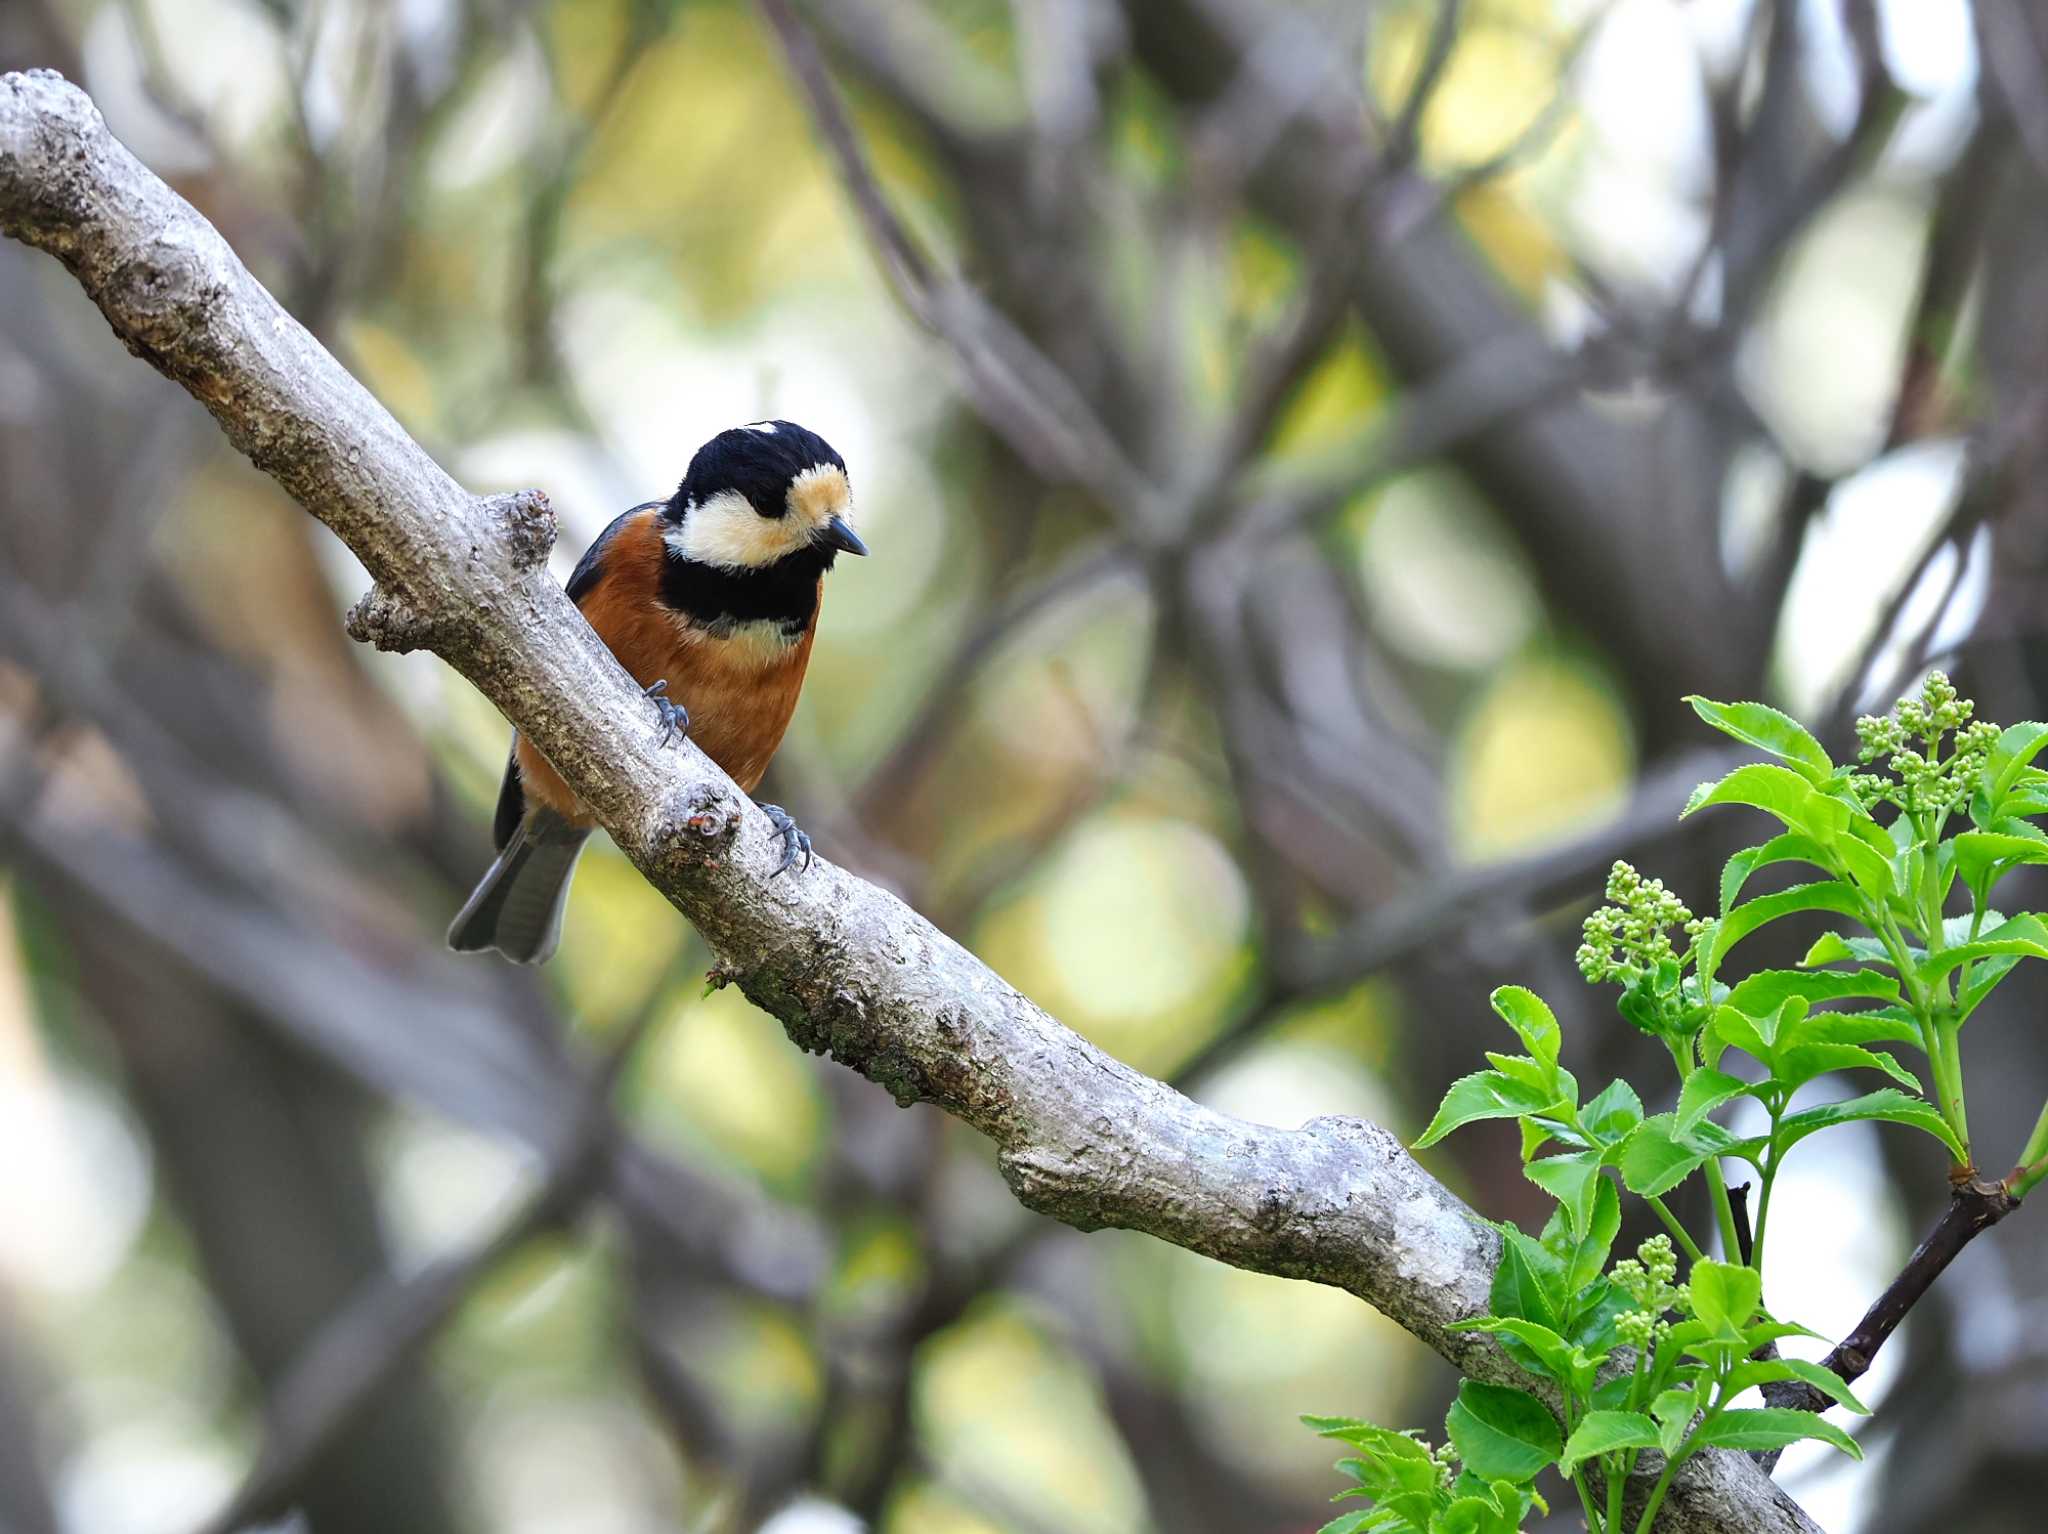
{"type": "Point", "coordinates": [262, 1148]}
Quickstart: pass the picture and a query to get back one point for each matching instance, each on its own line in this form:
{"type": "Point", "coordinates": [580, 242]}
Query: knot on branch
{"type": "Point", "coordinates": [1055, 1183]}
{"type": "Point", "coordinates": [698, 823]}
{"type": "Point", "coordinates": [390, 620]}
{"type": "Point", "coordinates": [528, 522]}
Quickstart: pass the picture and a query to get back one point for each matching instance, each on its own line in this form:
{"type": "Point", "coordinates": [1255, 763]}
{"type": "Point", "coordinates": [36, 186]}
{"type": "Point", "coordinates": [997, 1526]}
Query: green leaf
{"type": "Point", "coordinates": [1554, 1084]}
{"type": "Point", "coordinates": [1705, 1090]}
{"type": "Point", "coordinates": [1983, 858]}
{"type": "Point", "coordinates": [1833, 948]}
{"type": "Point", "coordinates": [1658, 1157]}
{"type": "Point", "coordinates": [1984, 977]}
{"type": "Point", "coordinates": [1789, 847]}
{"type": "Point", "coordinates": [1830, 895]}
{"type": "Point", "coordinates": [1775, 791]}
{"type": "Point", "coordinates": [2024, 937]}
{"type": "Point", "coordinates": [1725, 1294]}
{"type": "Point", "coordinates": [1766, 1332]}
{"type": "Point", "coordinates": [1528, 1283]}
{"type": "Point", "coordinates": [1604, 1432]}
{"type": "Point", "coordinates": [1887, 1103]}
{"type": "Point", "coordinates": [1767, 989]}
{"type": "Point", "coordinates": [1674, 1411]}
{"type": "Point", "coordinates": [1552, 1350]}
{"type": "Point", "coordinates": [1610, 1116]}
{"type": "Point", "coordinates": [1368, 1522]}
{"type": "Point", "coordinates": [1767, 1371]}
{"type": "Point", "coordinates": [1368, 1435]}
{"type": "Point", "coordinates": [1482, 1095]}
{"type": "Point", "coordinates": [1525, 1012]}
{"type": "Point", "coordinates": [1588, 1257]}
{"type": "Point", "coordinates": [1772, 1427]}
{"type": "Point", "coordinates": [2003, 767]}
{"type": "Point", "coordinates": [1877, 1025]}
{"type": "Point", "coordinates": [1502, 1433]}
{"type": "Point", "coordinates": [1755, 724]}
{"type": "Point", "coordinates": [1796, 1066]}
{"type": "Point", "coordinates": [1571, 1180]}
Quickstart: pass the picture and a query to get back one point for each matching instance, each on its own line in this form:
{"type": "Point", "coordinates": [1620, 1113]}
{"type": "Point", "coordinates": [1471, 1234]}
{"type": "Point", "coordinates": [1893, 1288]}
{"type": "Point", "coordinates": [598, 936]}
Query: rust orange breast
{"type": "Point", "coordinates": [740, 690]}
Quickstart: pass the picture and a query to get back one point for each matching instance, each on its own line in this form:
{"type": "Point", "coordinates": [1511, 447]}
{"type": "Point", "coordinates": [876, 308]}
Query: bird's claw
{"type": "Point", "coordinates": [675, 719]}
{"type": "Point", "coordinates": [795, 843]}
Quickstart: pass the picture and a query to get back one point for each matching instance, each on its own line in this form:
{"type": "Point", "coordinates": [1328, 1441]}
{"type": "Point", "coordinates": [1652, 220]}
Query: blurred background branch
{"type": "Point", "coordinates": [1330, 442]}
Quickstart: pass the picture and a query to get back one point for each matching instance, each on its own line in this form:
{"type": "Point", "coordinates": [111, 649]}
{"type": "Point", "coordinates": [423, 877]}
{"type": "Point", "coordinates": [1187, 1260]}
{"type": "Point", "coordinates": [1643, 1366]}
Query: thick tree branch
{"type": "Point", "coordinates": [847, 968]}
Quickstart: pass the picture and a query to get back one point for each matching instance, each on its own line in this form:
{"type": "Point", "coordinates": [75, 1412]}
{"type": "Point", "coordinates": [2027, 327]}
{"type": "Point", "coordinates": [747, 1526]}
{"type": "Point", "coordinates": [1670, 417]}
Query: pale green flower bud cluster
{"type": "Point", "coordinates": [1647, 1278]}
{"type": "Point", "coordinates": [1629, 937]}
{"type": "Point", "coordinates": [1909, 742]}
{"type": "Point", "coordinates": [1446, 1460]}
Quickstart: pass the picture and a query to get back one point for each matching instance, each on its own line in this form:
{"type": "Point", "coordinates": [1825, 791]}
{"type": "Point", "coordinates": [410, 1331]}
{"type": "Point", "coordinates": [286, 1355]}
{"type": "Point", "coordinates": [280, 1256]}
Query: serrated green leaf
{"type": "Point", "coordinates": [1533, 1074]}
{"type": "Point", "coordinates": [2004, 765]}
{"type": "Point", "coordinates": [1571, 1179]}
{"type": "Point", "coordinates": [1384, 1441]}
{"type": "Point", "coordinates": [1789, 847]}
{"type": "Point", "coordinates": [1833, 948]}
{"type": "Point", "coordinates": [1605, 1432]}
{"type": "Point", "coordinates": [1772, 1427]}
{"type": "Point", "coordinates": [1801, 1063]}
{"type": "Point", "coordinates": [2024, 937]}
{"type": "Point", "coordinates": [1725, 1294]}
{"type": "Point", "coordinates": [1876, 1025]}
{"type": "Point", "coordinates": [1528, 1283]}
{"type": "Point", "coordinates": [1547, 1346]}
{"type": "Point", "coordinates": [1657, 1157]}
{"type": "Point", "coordinates": [1756, 724]}
{"type": "Point", "coordinates": [1769, 1370]}
{"type": "Point", "coordinates": [1502, 1433]}
{"type": "Point", "coordinates": [1776, 791]}
{"type": "Point", "coordinates": [1984, 857]}
{"type": "Point", "coordinates": [1587, 1257]}
{"type": "Point", "coordinates": [1766, 1332]}
{"type": "Point", "coordinates": [1482, 1095]}
{"type": "Point", "coordinates": [1830, 895]}
{"type": "Point", "coordinates": [1674, 1411]}
{"type": "Point", "coordinates": [1886, 1103]}
{"type": "Point", "coordinates": [1985, 975]}
{"type": "Point", "coordinates": [1612, 1113]}
{"type": "Point", "coordinates": [1767, 989]}
{"type": "Point", "coordinates": [1525, 1012]}
{"type": "Point", "coordinates": [1705, 1090]}
{"type": "Point", "coordinates": [1370, 1521]}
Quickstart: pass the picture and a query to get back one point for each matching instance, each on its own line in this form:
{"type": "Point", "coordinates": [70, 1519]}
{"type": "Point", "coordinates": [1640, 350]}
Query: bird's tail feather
{"type": "Point", "coordinates": [517, 906]}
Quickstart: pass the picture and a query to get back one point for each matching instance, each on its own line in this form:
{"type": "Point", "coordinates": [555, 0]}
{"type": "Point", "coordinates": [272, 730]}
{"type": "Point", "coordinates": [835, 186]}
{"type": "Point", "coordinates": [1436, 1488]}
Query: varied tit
{"type": "Point", "coordinates": [710, 599]}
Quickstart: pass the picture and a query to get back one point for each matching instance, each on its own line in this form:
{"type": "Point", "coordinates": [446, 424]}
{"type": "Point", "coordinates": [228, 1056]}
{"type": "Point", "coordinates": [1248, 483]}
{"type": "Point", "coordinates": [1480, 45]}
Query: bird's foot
{"type": "Point", "coordinates": [675, 719]}
{"type": "Point", "coordinates": [794, 843]}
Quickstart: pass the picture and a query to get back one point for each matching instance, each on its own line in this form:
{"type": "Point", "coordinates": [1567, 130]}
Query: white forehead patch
{"type": "Point", "coordinates": [765, 428]}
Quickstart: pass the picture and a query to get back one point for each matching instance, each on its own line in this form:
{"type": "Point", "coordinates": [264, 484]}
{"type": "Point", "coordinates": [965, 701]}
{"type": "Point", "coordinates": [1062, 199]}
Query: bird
{"type": "Point", "coordinates": [710, 600]}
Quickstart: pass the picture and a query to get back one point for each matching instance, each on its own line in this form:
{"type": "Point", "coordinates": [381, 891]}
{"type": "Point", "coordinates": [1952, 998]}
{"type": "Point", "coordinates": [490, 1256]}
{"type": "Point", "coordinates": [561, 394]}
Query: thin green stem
{"type": "Point", "coordinates": [1951, 1033]}
{"type": "Point", "coordinates": [1588, 1504]}
{"type": "Point", "coordinates": [1678, 1231]}
{"type": "Point", "coordinates": [1657, 1497]}
{"type": "Point", "coordinates": [1763, 1203]}
{"type": "Point", "coordinates": [1724, 1211]}
{"type": "Point", "coordinates": [1944, 1062]}
{"type": "Point", "coordinates": [1617, 1468]}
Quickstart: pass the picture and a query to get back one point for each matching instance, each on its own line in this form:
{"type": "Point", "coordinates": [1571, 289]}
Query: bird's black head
{"type": "Point", "coordinates": [759, 494]}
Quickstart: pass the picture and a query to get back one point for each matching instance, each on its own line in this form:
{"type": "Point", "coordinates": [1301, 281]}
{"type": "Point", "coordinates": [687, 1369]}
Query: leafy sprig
{"type": "Point", "coordinates": [1633, 1362]}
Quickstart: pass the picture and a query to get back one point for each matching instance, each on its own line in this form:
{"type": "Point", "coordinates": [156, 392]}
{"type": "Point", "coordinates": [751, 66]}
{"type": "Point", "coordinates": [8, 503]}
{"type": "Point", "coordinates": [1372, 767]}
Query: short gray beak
{"type": "Point", "coordinates": [839, 536]}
